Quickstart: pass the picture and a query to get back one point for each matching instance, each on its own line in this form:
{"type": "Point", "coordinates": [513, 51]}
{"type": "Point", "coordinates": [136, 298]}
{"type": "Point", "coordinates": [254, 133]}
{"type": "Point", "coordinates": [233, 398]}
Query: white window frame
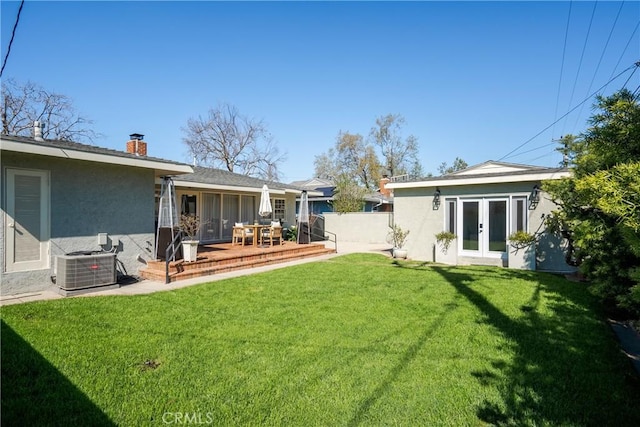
{"type": "Point", "coordinates": [279, 211]}
{"type": "Point", "coordinates": [519, 206]}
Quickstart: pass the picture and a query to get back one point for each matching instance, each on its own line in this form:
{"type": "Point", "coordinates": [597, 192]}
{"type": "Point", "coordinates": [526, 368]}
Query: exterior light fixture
{"type": "Point", "coordinates": [534, 197]}
{"type": "Point", "coordinates": [535, 194]}
{"type": "Point", "coordinates": [436, 199]}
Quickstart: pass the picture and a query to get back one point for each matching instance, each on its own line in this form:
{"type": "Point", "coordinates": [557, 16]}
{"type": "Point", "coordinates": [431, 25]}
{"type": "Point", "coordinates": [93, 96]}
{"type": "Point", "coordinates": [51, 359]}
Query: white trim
{"type": "Point", "coordinates": [234, 188]}
{"type": "Point", "coordinates": [69, 153]}
{"type": "Point", "coordinates": [501, 179]}
{"type": "Point", "coordinates": [231, 187]}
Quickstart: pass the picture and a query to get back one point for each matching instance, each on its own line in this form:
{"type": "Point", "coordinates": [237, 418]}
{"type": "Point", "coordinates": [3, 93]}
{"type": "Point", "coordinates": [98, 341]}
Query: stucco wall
{"type": "Point", "coordinates": [360, 227]}
{"type": "Point", "coordinates": [88, 198]}
{"type": "Point", "coordinates": [414, 211]}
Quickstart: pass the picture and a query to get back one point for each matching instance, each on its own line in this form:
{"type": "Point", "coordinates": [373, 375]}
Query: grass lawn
{"type": "Point", "coordinates": [358, 339]}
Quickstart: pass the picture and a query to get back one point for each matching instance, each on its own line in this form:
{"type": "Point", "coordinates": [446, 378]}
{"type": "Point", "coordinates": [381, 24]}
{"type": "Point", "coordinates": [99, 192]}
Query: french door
{"type": "Point", "coordinates": [484, 227]}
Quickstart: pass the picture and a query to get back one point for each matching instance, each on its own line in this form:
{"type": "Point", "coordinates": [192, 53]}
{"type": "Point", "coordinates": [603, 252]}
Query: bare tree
{"type": "Point", "coordinates": [400, 156]}
{"type": "Point", "coordinates": [22, 104]}
{"type": "Point", "coordinates": [351, 156]}
{"type": "Point", "coordinates": [228, 140]}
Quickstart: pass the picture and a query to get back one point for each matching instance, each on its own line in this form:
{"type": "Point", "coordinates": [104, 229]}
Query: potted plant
{"type": "Point", "coordinates": [445, 253]}
{"type": "Point", "coordinates": [522, 251]}
{"type": "Point", "coordinates": [189, 225]}
{"type": "Point", "coordinates": [399, 237]}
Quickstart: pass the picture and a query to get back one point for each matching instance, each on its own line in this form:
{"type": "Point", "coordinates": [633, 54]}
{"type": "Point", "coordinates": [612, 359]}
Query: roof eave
{"type": "Point", "coordinates": [471, 180]}
{"type": "Point", "coordinates": [161, 168]}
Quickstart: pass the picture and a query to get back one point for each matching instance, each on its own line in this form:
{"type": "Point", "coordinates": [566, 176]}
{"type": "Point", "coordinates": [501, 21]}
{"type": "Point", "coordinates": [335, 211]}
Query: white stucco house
{"type": "Point", "coordinates": [59, 197]}
{"type": "Point", "coordinates": [482, 205]}
{"type": "Point", "coordinates": [63, 197]}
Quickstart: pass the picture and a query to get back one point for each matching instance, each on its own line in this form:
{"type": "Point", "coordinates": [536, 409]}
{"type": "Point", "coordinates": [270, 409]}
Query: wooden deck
{"type": "Point", "coordinates": [224, 257]}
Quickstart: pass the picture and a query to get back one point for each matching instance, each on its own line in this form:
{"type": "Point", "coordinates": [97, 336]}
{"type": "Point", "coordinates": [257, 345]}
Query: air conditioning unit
{"type": "Point", "coordinates": [86, 270]}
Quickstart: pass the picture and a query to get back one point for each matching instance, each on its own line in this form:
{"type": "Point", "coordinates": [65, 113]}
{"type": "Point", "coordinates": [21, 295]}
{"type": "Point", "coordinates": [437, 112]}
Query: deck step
{"type": "Point", "coordinates": [223, 263]}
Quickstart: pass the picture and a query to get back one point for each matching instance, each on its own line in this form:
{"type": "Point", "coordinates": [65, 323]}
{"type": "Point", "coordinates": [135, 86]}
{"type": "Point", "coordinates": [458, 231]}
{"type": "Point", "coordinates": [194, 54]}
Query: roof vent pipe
{"type": "Point", "coordinates": [37, 130]}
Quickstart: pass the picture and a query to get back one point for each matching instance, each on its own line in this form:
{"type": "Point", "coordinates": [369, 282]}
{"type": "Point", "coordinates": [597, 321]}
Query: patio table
{"type": "Point", "coordinates": [257, 232]}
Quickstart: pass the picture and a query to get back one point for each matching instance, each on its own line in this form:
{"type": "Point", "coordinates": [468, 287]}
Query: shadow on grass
{"type": "Point", "coordinates": [35, 393]}
{"type": "Point", "coordinates": [407, 357]}
{"type": "Point", "coordinates": [566, 368]}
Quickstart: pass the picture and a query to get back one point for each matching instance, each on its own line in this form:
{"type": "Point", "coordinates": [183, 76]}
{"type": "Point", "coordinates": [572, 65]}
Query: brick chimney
{"type": "Point", "coordinates": [383, 187]}
{"type": "Point", "coordinates": [136, 145]}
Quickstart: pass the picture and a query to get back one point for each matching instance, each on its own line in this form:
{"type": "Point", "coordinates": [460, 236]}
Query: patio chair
{"type": "Point", "coordinates": [240, 234]}
{"type": "Point", "coordinates": [273, 232]}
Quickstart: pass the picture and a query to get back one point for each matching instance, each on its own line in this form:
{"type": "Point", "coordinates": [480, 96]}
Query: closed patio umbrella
{"type": "Point", "coordinates": [265, 203]}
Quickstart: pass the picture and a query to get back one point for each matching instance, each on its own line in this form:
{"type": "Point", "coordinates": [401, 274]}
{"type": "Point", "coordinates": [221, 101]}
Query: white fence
{"type": "Point", "coordinates": [359, 227]}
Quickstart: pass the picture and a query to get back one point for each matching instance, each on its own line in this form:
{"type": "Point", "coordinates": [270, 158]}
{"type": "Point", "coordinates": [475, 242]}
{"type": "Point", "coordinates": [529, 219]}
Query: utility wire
{"type": "Point", "coordinates": [564, 51]}
{"type": "Point", "coordinates": [636, 65]}
{"type": "Point", "coordinates": [584, 48]}
{"type": "Point", "coordinates": [615, 21]}
{"type": "Point", "coordinates": [13, 34]}
{"type": "Point", "coordinates": [625, 48]}
{"type": "Point", "coordinates": [535, 149]}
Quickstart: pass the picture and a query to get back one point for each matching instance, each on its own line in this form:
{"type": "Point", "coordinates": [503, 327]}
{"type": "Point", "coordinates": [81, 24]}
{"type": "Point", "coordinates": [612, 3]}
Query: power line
{"type": "Point", "coordinates": [636, 65]}
{"type": "Point", "coordinates": [584, 48]}
{"type": "Point", "coordinates": [13, 34]}
{"type": "Point", "coordinates": [615, 21]}
{"type": "Point", "coordinates": [564, 51]}
{"type": "Point", "coordinates": [625, 48]}
{"type": "Point", "coordinates": [534, 149]}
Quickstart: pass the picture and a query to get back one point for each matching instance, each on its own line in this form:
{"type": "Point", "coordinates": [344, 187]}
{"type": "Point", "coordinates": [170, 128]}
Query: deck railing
{"type": "Point", "coordinates": [170, 254]}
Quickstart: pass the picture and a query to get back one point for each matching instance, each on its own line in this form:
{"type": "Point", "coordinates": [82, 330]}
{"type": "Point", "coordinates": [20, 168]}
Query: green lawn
{"type": "Point", "coordinates": [358, 339]}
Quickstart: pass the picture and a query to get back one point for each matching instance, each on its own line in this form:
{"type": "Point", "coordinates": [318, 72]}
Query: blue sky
{"type": "Point", "coordinates": [472, 79]}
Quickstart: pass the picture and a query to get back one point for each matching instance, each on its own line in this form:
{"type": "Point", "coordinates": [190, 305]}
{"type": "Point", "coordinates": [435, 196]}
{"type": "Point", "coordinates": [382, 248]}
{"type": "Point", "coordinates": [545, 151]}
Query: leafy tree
{"type": "Point", "coordinates": [399, 155]}
{"type": "Point", "coordinates": [228, 140]}
{"type": "Point", "coordinates": [351, 156]}
{"type": "Point", "coordinates": [348, 196]}
{"type": "Point", "coordinates": [458, 164]}
{"type": "Point", "coordinates": [23, 104]}
{"type": "Point", "coordinates": [599, 212]}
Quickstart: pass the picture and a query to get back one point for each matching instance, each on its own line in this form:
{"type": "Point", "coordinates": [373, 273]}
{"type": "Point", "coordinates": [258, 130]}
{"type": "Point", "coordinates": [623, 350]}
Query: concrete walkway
{"type": "Point", "coordinates": [629, 342]}
{"type": "Point", "coordinates": [149, 286]}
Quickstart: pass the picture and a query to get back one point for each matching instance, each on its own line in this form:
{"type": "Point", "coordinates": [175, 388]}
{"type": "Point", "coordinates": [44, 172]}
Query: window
{"type": "Point", "coordinates": [278, 209]}
{"type": "Point", "coordinates": [518, 214]}
{"type": "Point", "coordinates": [450, 215]}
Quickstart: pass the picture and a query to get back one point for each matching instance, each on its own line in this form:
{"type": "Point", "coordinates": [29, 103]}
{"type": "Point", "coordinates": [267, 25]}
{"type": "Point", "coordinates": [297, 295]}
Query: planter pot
{"type": "Point", "coordinates": [400, 253]}
{"type": "Point", "coordinates": [190, 250]}
{"type": "Point", "coordinates": [522, 259]}
{"type": "Point", "coordinates": [449, 256]}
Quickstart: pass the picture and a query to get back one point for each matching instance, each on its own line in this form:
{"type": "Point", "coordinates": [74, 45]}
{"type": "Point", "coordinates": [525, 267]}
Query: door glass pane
{"type": "Point", "coordinates": [230, 213]}
{"type": "Point", "coordinates": [497, 225]}
{"type": "Point", "coordinates": [451, 216]}
{"type": "Point", "coordinates": [249, 209]}
{"type": "Point", "coordinates": [188, 204]}
{"type": "Point", "coordinates": [518, 216]}
{"type": "Point", "coordinates": [210, 217]}
{"type": "Point", "coordinates": [470, 215]}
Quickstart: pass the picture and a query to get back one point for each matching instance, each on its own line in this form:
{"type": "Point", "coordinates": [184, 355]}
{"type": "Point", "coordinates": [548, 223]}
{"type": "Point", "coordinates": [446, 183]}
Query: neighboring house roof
{"type": "Point", "coordinates": [487, 173]}
{"type": "Point", "coordinates": [218, 179]}
{"type": "Point", "coordinates": [319, 185]}
{"type": "Point", "coordinates": [314, 183]}
{"type": "Point", "coordinates": [91, 153]}
{"type": "Point", "coordinates": [327, 187]}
